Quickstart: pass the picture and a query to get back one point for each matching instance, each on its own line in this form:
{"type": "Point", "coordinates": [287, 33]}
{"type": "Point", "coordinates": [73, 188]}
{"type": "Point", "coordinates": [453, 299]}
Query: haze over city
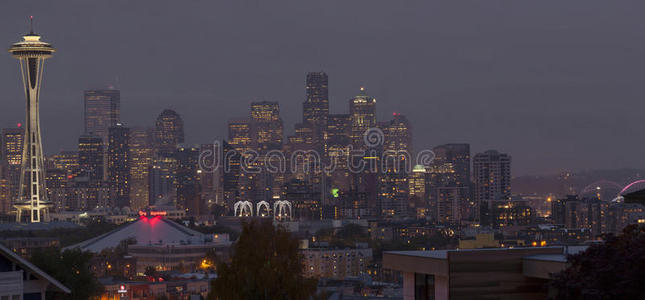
{"type": "Point", "coordinates": [558, 85]}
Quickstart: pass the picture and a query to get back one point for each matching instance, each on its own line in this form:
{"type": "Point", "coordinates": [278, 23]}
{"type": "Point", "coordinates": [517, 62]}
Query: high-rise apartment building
{"type": "Point", "coordinates": [457, 158]}
{"type": "Point", "coordinates": [492, 178]}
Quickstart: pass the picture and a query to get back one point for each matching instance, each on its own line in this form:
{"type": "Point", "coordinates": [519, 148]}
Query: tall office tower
{"type": "Point", "coordinates": [169, 132]}
{"type": "Point", "coordinates": [266, 125]}
{"type": "Point", "coordinates": [90, 157]}
{"type": "Point", "coordinates": [417, 182]}
{"type": "Point", "coordinates": [230, 180]}
{"type": "Point", "coordinates": [12, 143]}
{"type": "Point", "coordinates": [102, 111]}
{"type": "Point", "coordinates": [67, 161]}
{"type": "Point", "coordinates": [141, 158]}
{"type": "Point", "coordinates": [188, 187]}
{"type": "Point", "coordinates": [57, 183]}
{"type": "Point", "coordinates": [32, 197]}
{"type": "Point", "coordinates": [338, 125]}
{"type": "Point", "coordinates": [163, 190]}
{"type": "Point", "coordinates": [397, 133]}
{"type": "Point", "coordinates": [208, 178]}
{"type": "Point", "coordinates": [457, 157]}
{"type": "Point", "coordinates": [362, 111]}
{"type": "Point", "coordinates": [315, 109]}
{"type": "Point", "coordinates": [492, 179]}
{"type": "Point", "coordinates": [118, 166]}
{"type": "Point", "coordinates": [239, 135]}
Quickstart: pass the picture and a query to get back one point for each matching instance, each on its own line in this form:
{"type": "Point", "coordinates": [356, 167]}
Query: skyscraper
{"type": "Point", "coordinates": [32, 52]}
{"type": "Point", "coordinates": [102, 111]}
{"type": "Point", "coordinates": [492, 179]}
{"type": "Point", "coordinates": [239, 135]}
{"type": "Point", "coordinates": [266, 125]}
{"type": "Point", "coordinates": [316, 106]}
{"type": "Point", "coordinates": [118, 166]}
{"type": "Point", "coordinates": [169, 132]}
{"type": "Point", "coordinates": [362, 112]}
{"type": "Point", "coordinates": [397, 134]}
{"type": "Point", "coordinates": [141, 159]}
{"type": "Point", "coordinates": [188, 188]}
{"type": "Point", "coordinates": [12, 143]}
{"type": "Point", "coordinates": [457, 158]}
{"type": "Point", "coordinates": [90, 157]}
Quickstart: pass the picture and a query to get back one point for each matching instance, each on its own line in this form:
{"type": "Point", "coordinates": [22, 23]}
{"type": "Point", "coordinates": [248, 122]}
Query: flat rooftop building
{"type": "Point", "coordinates": [494, 273]}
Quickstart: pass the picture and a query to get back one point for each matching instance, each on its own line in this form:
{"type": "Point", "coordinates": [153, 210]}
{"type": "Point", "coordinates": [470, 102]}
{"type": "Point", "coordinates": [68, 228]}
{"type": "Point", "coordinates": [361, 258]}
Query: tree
{"type": "Point", "coordinates": [611, 270]}
{"type": "Point", "coordinates": [265, 264]}
{"type": "Point", "coordinates": [72, 269]}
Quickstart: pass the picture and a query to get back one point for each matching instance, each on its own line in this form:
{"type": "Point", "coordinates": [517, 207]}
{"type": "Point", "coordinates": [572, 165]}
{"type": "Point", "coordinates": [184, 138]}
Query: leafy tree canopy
{"type": "Point", "coordinates": [72, 269]}
{"type": "Point", "coordinates": [611, 270]}
{"type": "Point", "coordinates": [265, 264]}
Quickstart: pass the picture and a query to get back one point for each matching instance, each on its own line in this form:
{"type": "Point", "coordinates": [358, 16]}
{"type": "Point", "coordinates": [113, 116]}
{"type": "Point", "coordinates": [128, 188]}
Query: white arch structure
{"type": "Point", "coordinates": [266, 206]}
{"type": "Point", "coordinates": [282, 209]}
{"type": "Point", "coordinates": [243, 208]}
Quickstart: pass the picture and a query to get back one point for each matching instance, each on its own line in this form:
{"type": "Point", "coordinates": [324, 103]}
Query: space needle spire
{"type": "Point", "coordinates": [32, 199]}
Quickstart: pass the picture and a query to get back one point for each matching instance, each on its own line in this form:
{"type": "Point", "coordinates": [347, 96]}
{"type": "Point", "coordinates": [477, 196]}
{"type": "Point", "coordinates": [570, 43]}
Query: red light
{"type": "Point", "coordinates": [19, 125]}
{"type": "Point", "coordinates": [70, 176]}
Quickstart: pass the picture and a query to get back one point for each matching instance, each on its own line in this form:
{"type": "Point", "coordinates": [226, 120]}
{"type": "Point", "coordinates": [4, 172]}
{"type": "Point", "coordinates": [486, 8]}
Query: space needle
{"type": "Point", "coordinates": [32, 199]}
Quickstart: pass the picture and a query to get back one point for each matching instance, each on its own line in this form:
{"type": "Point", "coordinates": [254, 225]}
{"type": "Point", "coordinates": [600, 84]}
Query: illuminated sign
{"type": "Point", "coordinates": [122, 289]}
{"type": "Point", "coordinates": [152, 213]}
{"type": "Point", "coordinates": [334, 192]}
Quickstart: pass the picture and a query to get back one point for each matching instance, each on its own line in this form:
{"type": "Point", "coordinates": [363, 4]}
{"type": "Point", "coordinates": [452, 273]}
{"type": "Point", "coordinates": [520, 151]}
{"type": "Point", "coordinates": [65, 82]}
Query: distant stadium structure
{"type": "Point", "coordinates": [158, 242]}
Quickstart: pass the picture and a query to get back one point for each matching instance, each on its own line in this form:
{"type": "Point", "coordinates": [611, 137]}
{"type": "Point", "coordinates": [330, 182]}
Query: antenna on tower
{"type": "Point", "coordinates": [31, 24]}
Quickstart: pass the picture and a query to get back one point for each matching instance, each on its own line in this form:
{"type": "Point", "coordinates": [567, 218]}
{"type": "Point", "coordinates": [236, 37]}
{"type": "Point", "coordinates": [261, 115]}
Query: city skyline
{"type": "Point", "coordinates": [440, 102]}
{"type": "Point", "coordinates": [327, 150]}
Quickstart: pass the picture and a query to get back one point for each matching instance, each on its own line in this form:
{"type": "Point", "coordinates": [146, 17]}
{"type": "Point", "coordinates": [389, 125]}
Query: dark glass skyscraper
{"type": "Point", "coordinates": [90, 157]}
{"type": "Point", "coordinates": [169, 132]}
{"type": "Point", "coordinates": [102, 111]}
{"type": "Point", "coordinates": [119, 163]}
{"type": "Point", "coordinates": [188, 188]}
{"type": "Point", "coordinates": [316, 106]}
